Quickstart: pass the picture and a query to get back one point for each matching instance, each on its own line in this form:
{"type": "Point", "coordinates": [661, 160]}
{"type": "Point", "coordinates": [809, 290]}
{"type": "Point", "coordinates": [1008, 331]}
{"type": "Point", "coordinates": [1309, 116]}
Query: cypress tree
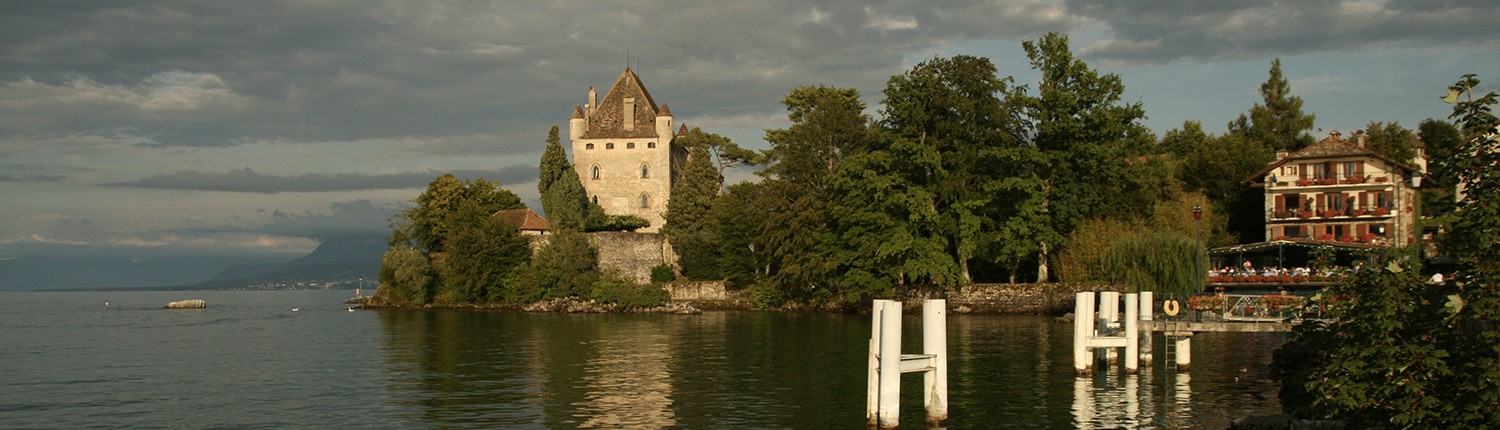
{"type": "Point", "coordinates": [562, 193]}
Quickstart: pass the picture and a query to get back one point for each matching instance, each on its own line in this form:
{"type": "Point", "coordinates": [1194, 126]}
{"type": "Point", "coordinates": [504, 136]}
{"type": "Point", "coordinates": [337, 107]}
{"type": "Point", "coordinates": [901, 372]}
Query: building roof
{"type": "Point", "coordinates": [1332, 146]}
{"type": "Point", "coordinates": [523, 219]}
{"type": "Point", "coordinates": [607, 119]}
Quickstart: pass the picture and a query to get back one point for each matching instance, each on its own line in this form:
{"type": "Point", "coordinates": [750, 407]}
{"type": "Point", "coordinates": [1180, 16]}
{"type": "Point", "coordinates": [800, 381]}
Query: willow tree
{"type": "Point", "coordinates": [1160, 261]}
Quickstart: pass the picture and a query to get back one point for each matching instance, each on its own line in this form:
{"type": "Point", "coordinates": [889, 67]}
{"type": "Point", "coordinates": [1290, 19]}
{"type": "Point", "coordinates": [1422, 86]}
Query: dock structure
{"type": "Point", "coordinates": [1100, 331]}
{"type": "Point", "coordinates": [887, 363]}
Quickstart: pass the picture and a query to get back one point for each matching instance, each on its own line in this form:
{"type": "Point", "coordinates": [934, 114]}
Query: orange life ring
{"type": "Point", "coordinates": [1171, 307]}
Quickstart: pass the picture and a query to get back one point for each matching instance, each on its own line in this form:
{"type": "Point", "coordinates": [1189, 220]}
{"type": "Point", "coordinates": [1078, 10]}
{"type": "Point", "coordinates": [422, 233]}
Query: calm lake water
{"type": "Point", "coordinates": [248, 361]}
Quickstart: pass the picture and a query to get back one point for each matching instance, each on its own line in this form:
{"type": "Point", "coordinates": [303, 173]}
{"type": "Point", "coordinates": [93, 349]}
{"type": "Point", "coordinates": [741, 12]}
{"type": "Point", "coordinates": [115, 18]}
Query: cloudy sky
{"type": "Point", "coordinates": [157, 128]}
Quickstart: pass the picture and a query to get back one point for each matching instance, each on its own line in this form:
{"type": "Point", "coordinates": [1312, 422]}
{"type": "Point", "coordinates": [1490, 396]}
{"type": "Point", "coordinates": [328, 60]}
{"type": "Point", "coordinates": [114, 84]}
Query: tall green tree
{"type": "Point", "coordinates": [1180, 142]}
{"type": "Point", "coordinates": [954, 118]}
{"type": "Point", "coordinates": [828, 124]}
{"type": "Point", "coordinates": [1438, 189]}
{"type": "Point", "coordinates": [1279, 124]}
{"type": "Point", "coordinates": [1086, 134]}
{"type": "Point", "coordinates": [1218, 169]}
{"type": "Point", "coordinates": [689, 222]}
{"type": "Point", "coordinates": [479, 258]}
{"type": "Point", "coordinates": [563, 197]}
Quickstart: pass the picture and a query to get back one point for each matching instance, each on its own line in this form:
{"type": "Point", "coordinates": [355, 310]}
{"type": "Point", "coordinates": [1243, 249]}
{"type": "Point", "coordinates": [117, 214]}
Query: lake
{"type": "Point", "coordinates": [249, 361]}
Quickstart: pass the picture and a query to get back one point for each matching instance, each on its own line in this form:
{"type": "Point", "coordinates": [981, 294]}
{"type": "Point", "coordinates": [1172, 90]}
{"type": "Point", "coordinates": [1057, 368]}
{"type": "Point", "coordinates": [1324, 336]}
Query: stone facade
{"type": "Point", "coordinates": [631, 255]}
{"type": "Point", "coordinates": [623, 151]}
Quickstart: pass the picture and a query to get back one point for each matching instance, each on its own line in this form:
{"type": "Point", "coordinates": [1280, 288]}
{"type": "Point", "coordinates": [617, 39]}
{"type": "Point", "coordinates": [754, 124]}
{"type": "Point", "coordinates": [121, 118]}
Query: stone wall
{"type": "Point", "coordinates": [697, 290]}
{"type": "Point", "coordinates": [1052, 298]}
{"type": "Point", "coordinates": [631, 255]}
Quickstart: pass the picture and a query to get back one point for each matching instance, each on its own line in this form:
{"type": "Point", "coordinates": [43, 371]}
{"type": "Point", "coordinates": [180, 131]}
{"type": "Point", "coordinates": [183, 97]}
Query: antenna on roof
{"type": "Point", "coordinates": [627, 56]}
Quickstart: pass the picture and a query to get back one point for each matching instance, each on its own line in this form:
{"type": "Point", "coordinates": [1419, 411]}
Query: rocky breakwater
{"type": "Point", "coordinates": [188, 304]}
{"type": "Point", "coordinates": [575, 306]}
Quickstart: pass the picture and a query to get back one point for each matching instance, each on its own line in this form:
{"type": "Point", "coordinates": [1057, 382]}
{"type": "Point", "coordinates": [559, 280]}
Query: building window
{"type": "Point", "coordinates": [1293, 231]}
{"type": "Point", "coordinates": [650, 145]}
{"type": "Point", "coordinates": [595, 199]}
{"type": "Point", "coordinates": [610, 145]}
{"type": "Point", "coordinates": [588, 146]}
{"type": "Point", "coordinates": [645, 170]}
{"type": "Point", "coordinates": [595, 175]}
{"type": "Point", "coordinates": [629, 145]}
{"type": "Point", "coordinates": [1377, 229]}
{"type": "Point", "coordinates": [645, 201]}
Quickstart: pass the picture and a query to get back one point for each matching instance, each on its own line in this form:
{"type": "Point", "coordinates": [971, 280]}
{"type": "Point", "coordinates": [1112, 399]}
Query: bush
{"type": "Point", "coordinates": [662, 274]}
{"type": "Point", "coordinates": [406, 277]}
{"type": "Point", "coordinates": [629, 295]}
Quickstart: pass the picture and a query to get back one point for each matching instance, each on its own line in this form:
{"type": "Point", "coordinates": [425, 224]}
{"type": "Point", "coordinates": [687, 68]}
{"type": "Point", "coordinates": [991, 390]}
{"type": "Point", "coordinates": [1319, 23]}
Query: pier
{"type": "Point", "coordinates": [1102, 331]}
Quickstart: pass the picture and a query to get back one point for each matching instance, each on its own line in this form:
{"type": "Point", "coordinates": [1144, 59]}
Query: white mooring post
{"type": "Point", "coordinates": [1087, 336]}
{"type": "Point", "coordinates": [883, 401]}
{"type": "Point", "coordinates": [1148, 306]}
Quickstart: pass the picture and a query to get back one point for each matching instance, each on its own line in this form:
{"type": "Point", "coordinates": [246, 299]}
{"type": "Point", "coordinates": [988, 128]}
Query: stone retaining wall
{"type": "Point", "coordinates": [1050, 298]}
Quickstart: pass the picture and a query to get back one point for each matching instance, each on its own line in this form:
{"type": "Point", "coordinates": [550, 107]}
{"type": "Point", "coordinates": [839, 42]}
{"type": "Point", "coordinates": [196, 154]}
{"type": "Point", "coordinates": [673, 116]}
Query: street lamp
{"type": "Point", "coordinates": [1416, 216]}
{"type": "Point", "coordinates": [1198, 248]}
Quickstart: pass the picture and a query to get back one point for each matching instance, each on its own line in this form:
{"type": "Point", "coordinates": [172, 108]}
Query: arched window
{"type": "Point", "coordinates": [645, 201]}
{"type": "Point", "coordinates": [629, 145]}
{"type": "Point", "coordinates": [588, 146]}
{"type": "Point", "coordinates": [596, 199]}
{"type": "Point", "coordinates": [595, 175]}
{"type": "Point", "coordinates": [650, 144]}
{"type": "Point", "coordinates": [645, 170]}
{"type": "Point", "coordinates": [610, 145]}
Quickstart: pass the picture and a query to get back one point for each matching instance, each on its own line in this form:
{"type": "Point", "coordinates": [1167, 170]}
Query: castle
{"type": "Point", "coordinates": [623, 151]}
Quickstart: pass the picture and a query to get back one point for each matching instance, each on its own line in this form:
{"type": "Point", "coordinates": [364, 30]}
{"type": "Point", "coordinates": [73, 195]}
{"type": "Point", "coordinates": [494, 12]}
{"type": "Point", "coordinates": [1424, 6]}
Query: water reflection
{"type": "Point", "coordinates": [771, 370]}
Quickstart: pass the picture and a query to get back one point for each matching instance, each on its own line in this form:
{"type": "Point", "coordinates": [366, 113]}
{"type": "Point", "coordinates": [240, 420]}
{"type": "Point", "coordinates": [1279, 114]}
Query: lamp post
{"type": "Point", "coordinates": [1416, 215]}
{"type": "Point", "coordinates": [1198, 249]}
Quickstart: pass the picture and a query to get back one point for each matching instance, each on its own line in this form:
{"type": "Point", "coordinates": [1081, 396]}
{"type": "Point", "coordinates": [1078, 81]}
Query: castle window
{"type": "Point", "coordinates": [596, 172]}
{"type": "Point", "coordinates": [629, 145]}
{"type": "Point", "coordinates": [610, 145]}
{"type": "Point", "coordinates": [645, 201]}
{"type": "Point", "coordinates": [588, 146]}
{"type": "Point", "coordinates": [596, 199]}
{"type": "Point", "coordinates": [645, 170]}
{"type": "Point", "coordinates": [650, 144]}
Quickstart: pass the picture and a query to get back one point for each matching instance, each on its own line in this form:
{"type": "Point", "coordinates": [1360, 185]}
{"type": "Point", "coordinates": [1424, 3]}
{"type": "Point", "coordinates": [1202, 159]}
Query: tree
{"type": "Point", "coordinates": [480, 256]}
{"type": "Point", "coordinates": [436, 215]}
{"type": "Point", "coordinates": [1438, 187]}
{"type": "Point", "coordinates": [1184, 141]}
{"type": "Point", "coordinates": [563, 197]}
{"type": "Point", "coordinates": [1279, 124]}
{"type": "Point", "coordinates": [1086, 135]}
{"type": "Point", "coordinates": [406, 277]}
{"type": "Point", "coordinates": [827, 125]}
{"type": "Point", "coordinates": [567, 266]}
{"type": "Point", "coordinates": [736, 220]}
{"type": "Point", "coordinates": [954, 118]}
{"type": "Point", "coordinates": [689, 223]}
{"type": "Point", "coordinates": [1391, 140]}
{"type": "Point", "coordinates": [1218, 168]}
{"type": "Point", "coordinates": [726, 154]}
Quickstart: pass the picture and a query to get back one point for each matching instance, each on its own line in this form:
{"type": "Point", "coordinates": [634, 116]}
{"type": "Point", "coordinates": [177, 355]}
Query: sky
{"type": "Point", "coordinates": [149, 129]}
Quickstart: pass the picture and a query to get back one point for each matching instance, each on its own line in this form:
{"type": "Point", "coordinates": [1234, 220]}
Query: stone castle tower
{"type": "Point", "coordinates": [623, 151]}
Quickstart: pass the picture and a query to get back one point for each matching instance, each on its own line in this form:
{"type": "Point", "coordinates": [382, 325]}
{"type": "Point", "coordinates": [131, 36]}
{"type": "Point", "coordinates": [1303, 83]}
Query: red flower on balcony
{"type": "Point", "coordinates": [1382, 211]}
{"type": "Point", "coordinates": [1327, 181]}
{"type": "Point", "coordinates": [1304, 214]}
{"type": "Point", "coordinates": [1330, 213]}
{"type": "Point", "coordinates": [1325, 237]}
{"type": "Point", "coordinates": [1304, 182]}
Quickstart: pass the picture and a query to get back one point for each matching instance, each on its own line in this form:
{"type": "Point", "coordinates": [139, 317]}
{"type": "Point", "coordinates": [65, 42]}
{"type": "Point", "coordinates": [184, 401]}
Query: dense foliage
{"type": "Point", "coordinates": [1280, 123]}
{"type": "Point", "coordinates": [563, 198]}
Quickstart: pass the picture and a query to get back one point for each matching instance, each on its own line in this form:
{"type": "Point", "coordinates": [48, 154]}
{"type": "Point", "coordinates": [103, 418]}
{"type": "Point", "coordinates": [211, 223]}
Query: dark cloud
{"type": "Point", "coordinates": [1149, 31]}
{"type": "Point", "coordinates": [246, 180]}
{"type": "Point", "coordinates": [195, 74]}
{"type": "Point", "coordinates": [346, 219]}
{"type": "Point", "coordinates": [11, 177]}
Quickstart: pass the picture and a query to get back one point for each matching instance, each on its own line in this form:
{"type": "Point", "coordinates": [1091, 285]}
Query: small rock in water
{"type": "Point", "coordinates": [187, 304]}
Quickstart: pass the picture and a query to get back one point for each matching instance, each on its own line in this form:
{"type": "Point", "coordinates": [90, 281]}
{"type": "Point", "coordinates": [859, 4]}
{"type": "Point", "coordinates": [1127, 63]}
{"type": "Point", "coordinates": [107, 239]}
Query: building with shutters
{"type": "Point", "coordinates": [1339, 191]}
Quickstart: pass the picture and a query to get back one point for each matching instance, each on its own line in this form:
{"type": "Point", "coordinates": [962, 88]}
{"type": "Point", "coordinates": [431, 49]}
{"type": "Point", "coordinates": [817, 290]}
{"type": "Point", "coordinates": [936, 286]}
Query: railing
{"type": "Point", "coordinates": [1246, 308]}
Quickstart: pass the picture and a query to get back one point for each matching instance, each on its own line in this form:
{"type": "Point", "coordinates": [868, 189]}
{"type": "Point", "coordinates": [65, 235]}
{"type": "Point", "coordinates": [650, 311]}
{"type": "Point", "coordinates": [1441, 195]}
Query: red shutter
{"type": "Point", "coordinates": [1321, 203]}
{"type": "Point", "coordinates": [1364, 200]}
{"type": "Point", "coordinates": [1280, 203]}
{"type": "Point", "coordinates": [1359, 168]}
{"type": "Point", "coordinates": [1388, 200]}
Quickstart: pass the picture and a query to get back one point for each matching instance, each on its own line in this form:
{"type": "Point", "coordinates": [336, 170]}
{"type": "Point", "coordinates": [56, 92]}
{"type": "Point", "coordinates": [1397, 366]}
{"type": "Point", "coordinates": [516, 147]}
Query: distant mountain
{"type": "Point", "coordinates": [52, 273]}
{"type": "Point", "coordinates": [337, 261]}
